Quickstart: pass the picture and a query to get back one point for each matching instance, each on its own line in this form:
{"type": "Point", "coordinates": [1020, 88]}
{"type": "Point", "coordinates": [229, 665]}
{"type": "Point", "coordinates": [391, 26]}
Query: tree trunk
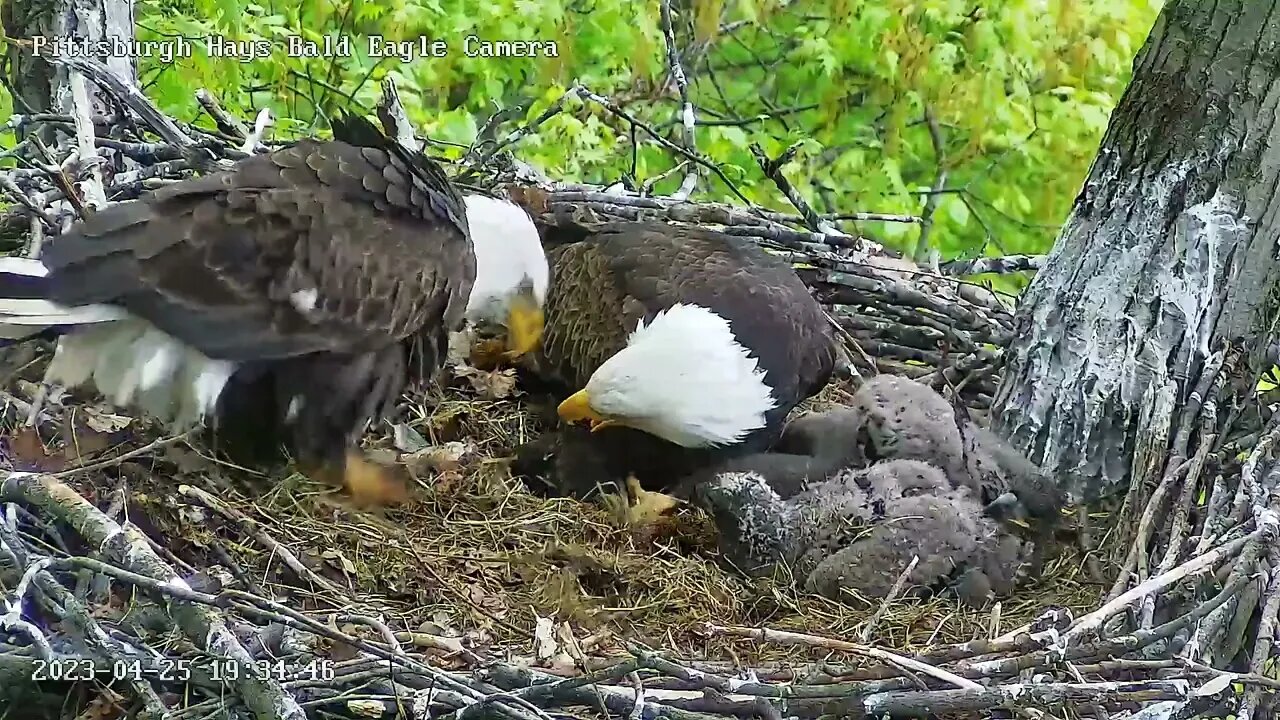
{"type": "Point", "coordinates": [42, 86]}
{"type": "Point", "coordinates": [1168, 257]}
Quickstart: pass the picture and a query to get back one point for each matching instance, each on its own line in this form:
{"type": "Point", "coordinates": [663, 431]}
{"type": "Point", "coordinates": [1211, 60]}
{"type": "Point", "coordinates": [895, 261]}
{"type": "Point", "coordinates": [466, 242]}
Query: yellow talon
{"type": "Point", "coordinates": [639, 508]}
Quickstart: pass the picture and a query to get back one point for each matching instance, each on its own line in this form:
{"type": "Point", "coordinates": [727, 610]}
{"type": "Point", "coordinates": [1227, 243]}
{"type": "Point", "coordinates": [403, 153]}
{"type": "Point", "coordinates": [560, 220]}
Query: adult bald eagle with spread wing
{"type": "Point", "coordinates": [315, 270]}
{"type": "Point", "coordinates": [680, 345]}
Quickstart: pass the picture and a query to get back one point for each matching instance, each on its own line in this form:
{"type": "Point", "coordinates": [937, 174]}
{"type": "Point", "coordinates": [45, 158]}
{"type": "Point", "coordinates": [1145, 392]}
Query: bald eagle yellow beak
{"type": "Point", "coordinates": [524, 325]}
{"type": "Point", "coordinates": [577, 408]}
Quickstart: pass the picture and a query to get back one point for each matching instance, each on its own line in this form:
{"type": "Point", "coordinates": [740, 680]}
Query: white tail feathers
{"type": "Point", "coordinates": [47, 314]}
{"type": "Point", "coordinates": [23, 266]}
{"type": "Point", "coordinates": [133, 364]}
{"type": "Point", "coordinates": [128, 361]}
{"type": "Point", "coordinates": [20, 317]}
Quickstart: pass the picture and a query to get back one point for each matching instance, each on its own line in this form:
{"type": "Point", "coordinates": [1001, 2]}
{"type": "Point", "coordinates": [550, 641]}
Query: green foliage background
{"type": "Point", "coordinates": [1020, 91]}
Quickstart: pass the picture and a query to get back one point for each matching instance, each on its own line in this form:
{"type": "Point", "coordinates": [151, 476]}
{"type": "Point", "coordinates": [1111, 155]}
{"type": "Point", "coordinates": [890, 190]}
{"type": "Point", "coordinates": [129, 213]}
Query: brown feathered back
{"type": "Point", "coordinates": [603, 285]}
{"type": "Point", "coordinates": [315, 266]}
{"type": "Point", "coordinates": [214, 261]}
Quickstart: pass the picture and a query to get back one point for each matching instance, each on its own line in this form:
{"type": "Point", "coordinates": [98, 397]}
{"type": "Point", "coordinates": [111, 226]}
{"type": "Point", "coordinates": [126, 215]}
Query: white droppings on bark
{"type": "Point", "coordinates": [178, 583]}
{"type": "Point", "coordinates": [1218, 225]}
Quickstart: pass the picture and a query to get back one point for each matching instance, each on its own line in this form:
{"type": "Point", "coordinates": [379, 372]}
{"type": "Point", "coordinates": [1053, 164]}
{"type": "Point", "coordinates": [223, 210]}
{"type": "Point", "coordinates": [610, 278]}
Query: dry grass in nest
{"type": "Point", "coordinates": [475, 555]}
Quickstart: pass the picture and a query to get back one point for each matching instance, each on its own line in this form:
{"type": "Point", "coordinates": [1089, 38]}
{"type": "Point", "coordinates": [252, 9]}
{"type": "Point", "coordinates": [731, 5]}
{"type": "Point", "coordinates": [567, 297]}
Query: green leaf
{"type": "Point", "coordinates": [1022, 94]}
{"type": "Point", "coordinates": [734, 136]}
{"type": "Point", "coordinates": [956, 209]}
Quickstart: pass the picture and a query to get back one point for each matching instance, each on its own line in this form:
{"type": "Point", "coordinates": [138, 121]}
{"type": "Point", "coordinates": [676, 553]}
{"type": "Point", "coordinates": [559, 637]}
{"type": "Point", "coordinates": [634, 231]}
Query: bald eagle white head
{"type": "Point", "coordinates": [683, 377]}
{"type": "Point", "coordinates": [511, 271]}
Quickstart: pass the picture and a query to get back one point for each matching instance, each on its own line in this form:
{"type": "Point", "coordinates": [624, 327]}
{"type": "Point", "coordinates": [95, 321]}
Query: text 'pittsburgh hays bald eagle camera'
{"type": "Point", "coordinates": [320, 278]}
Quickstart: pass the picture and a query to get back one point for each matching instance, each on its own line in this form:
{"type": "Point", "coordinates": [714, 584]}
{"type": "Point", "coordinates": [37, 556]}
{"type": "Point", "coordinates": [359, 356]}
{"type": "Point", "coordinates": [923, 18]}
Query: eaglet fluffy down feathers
{"type": "Point", "coordinates": [892, 417]}
{"type": "Point", "coordinates": [847, 497]}
{"type": "Point", "coordinates": [859, 530]}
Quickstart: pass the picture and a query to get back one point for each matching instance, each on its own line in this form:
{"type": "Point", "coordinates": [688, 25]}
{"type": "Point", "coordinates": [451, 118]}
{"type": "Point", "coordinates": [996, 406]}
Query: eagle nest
{"type": "Point", "coordinates": [157, 572]}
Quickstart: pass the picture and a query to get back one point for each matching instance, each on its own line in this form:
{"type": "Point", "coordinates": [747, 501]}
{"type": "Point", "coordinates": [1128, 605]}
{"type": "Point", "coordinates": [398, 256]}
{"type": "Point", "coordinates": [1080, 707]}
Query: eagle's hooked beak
{"type": "Point", "coordinates": [524, 325]}
{"type": "Point", "coordinates": [577, 408]}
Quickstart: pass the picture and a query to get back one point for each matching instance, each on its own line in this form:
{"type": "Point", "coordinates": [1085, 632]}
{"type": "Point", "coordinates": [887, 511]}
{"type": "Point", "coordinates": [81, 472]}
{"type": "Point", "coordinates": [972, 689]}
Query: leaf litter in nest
{"type": "Point", "coordinates": [102, 420]}
{"type": "Point", "coordinates": [489, 384]}
{"type": "Point", "coordinates": [32, 453]}
{"type": "Point", "coordinates": [106, 705]}
{"type": "Point", "coordinates": [448, 457]}
{"type": "Point", "coordinates": [495, 549]}
{"type": "Point", "coordinates": [29, 452]}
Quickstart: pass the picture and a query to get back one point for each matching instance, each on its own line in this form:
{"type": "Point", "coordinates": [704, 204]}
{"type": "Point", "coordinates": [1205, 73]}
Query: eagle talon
{"type": "Point", "coordinates": [368, 483]}
{"type": "Point", "coordinates": [512, 356]}
{"type": "Point", "coordinates": [485, 353]}
{"type": "Point", "coordinates": [637, 507]}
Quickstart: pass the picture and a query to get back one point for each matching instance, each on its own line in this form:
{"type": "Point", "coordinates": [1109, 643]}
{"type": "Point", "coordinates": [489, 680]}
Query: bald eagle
{"type": "Point", "coordinates": [328, 272]}
{"type": "Point", "coordinates": [511, 274]}
{"type": "Point", "coordinates": [679, 345]}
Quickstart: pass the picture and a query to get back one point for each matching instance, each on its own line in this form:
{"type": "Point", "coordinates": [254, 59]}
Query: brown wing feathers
{"type": "Point", "coordinates": [316, 266]}
{"type": "Point", "coordinates": [589, 315]}
{"type": "Point", "coordinates": [216, 261]}
{"type": "Point", "coordinates": [602, 285]}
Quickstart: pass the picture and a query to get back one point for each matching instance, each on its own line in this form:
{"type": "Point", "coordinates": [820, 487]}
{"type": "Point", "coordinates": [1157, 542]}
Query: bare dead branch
{"type": "Point", "coordinates": [687, 117]}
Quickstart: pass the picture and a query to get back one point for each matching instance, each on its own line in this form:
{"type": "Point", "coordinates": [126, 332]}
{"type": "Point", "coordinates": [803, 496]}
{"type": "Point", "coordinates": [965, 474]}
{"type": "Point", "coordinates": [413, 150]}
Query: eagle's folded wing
{"type": "Point", "coordinates": [316, 247]}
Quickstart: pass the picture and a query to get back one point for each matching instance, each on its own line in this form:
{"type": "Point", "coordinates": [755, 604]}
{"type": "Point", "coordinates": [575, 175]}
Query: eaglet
{"type": "Point", "coordinates": [893, 417]}
{"type": "Point", "coordinates": [859, 530]}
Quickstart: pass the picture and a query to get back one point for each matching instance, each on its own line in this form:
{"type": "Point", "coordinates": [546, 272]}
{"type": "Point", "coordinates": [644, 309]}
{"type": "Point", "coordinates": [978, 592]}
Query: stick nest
{"type": "Point", "coordinates": [198, 590]}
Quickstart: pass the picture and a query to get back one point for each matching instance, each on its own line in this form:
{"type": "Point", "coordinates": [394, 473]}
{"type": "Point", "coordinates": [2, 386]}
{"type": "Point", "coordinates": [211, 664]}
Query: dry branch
{"type": "Point", "coordinates": [905, 318]}
{"type": "Point", "coordinates": [687, 117]}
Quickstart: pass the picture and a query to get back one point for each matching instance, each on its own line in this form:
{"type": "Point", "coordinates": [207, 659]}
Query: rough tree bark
{"type": "Point", "coordinates": [1169, 255]}
{"type": "Point", "coordinates": [40, 85]}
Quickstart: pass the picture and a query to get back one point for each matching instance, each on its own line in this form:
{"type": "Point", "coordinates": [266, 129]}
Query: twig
{"type": "Point", "coordinates": [1094, 620]}
{"type": "Point", "coordinates": [637, 710]}
{"type": "Point", "coordinates": [524, 130]}
{"type": "Point", "coordinates": [1262, 646]}
{"type": "Point", "coordinates": [127, 94]}
{"type": "Point", "coordinates": [898, 584]}
{"type": "Point", "coordinates": [1147, 523]}
{"type": "Point", "coordinates": [98, 641]}
{"type": "Point", "coordinates": [1223, 629]}
{"type": "Point", "coordinates": [121, 458]}
{"type": "Point", "coordinates": [692, 155]}
{"type": "Point", "coordinates": [201, 625]}
{"type": "Point", "coordinates": [225, 121]}
{"type": "Point", "coordinates": [17, 194]}
{"type": "Point", "coordinates": [395, 119]}
{"type": "Point", "coordinates": [262, 608]}
{"type": "Point", "coordinates": [943, 702]}
{"type": "Point", "coordinates": [791, 638]}
{"type": "Point", "coordinates": [12, 619]}
{"type": "Point", "coordinates": [922, 251]}
{"type": "Point", "coordinates": [646, 186]}
{"type": "Point", "coordinates": [95, 195]}
{"type": "Point", "coordinates": [687, 118]}
{"type": "Point", "coordinates": [997, 265]}
{"type": "Point", "coordinates": [772, 169]}
{"type": "Point", "coordinates": [253, 529]}
{"type": "Point", "coordinates": [387, 633]}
